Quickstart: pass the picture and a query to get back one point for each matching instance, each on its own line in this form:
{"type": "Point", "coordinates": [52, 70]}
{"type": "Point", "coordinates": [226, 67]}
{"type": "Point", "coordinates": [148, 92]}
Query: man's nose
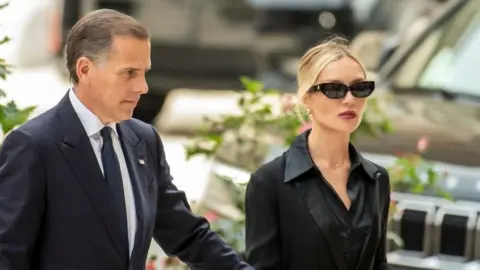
{"type": "Point", "coordinates": [142, 86]}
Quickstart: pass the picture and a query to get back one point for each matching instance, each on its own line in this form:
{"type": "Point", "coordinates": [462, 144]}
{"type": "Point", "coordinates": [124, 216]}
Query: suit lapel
{"type": "Point", "coordinates": [325, 222]}
{"type": "Point", "coordinates": [134, 150]}
{"type": "Point", "coordinates": [79, 154]}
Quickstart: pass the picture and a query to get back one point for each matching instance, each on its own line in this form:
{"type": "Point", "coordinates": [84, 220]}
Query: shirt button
{"type": "Point", "coordinates": [345, 254]}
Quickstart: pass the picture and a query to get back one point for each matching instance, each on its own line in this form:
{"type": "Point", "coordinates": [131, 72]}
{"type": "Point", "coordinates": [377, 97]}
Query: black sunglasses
{"type": "Point", "coordinates": [339, 90]}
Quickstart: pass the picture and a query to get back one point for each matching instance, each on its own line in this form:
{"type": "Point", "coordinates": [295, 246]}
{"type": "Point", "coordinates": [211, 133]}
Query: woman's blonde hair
{"type": "Point", "coordinates": [316, 59]}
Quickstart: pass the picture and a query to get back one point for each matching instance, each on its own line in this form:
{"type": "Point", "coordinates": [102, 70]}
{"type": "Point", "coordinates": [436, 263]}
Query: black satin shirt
{"type": "Point", "coordinates": [295, 220]}
{"type": "Point", "coordinates": [353, 223]}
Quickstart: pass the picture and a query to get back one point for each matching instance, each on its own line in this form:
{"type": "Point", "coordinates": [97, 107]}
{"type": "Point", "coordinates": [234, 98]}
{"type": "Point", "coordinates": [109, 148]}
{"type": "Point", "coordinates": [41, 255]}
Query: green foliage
{"type": "Point", "coordinates": [257, 126]}
{"type": "Point", "coordinates": [10, 115]}
{"type": "Point", "coordinates": [233, 231]}
{"type": "Point", "coordinates": [406, 175]}
{"type": "Point", "coordinates": [255, 119]}
{"type": "Point", "coordinates": [5, 68]}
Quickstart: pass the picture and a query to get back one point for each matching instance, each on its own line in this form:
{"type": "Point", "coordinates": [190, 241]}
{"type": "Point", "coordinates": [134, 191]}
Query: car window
{"type": "Point", "coordinates": [447, 58]}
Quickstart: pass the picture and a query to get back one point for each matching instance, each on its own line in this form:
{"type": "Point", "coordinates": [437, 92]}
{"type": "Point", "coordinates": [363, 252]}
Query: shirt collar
{"type": "Point", "coordinates": [298, 159]}
{"type": "Point", "coordinates": [89, 120]}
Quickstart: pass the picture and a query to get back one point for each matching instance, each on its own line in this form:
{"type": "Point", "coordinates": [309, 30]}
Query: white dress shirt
{"type": "Point", "coordinates": [93, 126]}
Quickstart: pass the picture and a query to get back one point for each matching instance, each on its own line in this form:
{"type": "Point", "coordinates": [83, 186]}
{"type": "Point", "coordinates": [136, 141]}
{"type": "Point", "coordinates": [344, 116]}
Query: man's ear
{"type": "Point", "coordinates": [83, 68]}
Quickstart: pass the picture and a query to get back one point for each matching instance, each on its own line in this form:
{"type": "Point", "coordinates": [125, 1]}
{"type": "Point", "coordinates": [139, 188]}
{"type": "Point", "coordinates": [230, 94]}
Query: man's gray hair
{"type": "Point", "coordinates": [93, 34]}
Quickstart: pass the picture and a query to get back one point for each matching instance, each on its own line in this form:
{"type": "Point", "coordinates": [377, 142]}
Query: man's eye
{"type": "Point", "coordinates": [131, 73]}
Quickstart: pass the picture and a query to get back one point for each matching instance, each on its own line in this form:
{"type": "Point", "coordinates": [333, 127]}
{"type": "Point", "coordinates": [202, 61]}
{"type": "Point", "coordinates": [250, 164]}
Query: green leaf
{"type": "Point", "coordinates": [11, 116]}
{"type": "Point", "coordinates": [417, 188]}
{"type": "Point", "coordinates": [241, 101]}
{"type": "Point", "coordinates": [4, 40]}
{"type": "Point", "coordinates": [443, 193]}
{"type": "Point", "coordinates": [194, 151]}
{"type": "Point", "coordinates": [250, 85]}
{"type": "Point", "coordinates": [214, 137]}
{"type": "Point", "coordinates": [4, 71]}
{"type": "Point", "coordinates": [432, 177]}
{"type": "Point", "coordinates": [232, 122]}
{"type": "Point", "coordinates": [387, 126]}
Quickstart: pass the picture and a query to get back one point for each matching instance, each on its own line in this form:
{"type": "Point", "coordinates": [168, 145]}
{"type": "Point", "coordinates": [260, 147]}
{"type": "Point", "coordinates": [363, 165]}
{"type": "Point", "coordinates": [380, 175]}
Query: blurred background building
{"type": "Point", "coordinates": [424, 52]}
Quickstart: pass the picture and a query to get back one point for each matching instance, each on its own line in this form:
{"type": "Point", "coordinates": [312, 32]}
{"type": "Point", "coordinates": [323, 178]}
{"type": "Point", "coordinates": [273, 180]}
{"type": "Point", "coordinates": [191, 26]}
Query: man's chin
{"type": "Point", "coordinates": [124, 116]}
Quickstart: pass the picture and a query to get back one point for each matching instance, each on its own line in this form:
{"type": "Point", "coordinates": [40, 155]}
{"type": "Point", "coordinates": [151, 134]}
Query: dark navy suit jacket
{"type": "Point", "coordinates": [55, 212]}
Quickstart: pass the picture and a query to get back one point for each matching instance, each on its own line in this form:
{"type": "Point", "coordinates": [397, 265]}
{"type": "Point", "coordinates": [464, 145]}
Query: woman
{"type": "Point", "coordinates": [321, 205]}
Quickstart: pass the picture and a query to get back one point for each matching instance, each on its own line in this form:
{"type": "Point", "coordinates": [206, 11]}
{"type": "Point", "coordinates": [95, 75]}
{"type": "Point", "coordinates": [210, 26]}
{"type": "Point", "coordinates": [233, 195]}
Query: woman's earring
{"type": "Point", "coordinates": [309, 111]}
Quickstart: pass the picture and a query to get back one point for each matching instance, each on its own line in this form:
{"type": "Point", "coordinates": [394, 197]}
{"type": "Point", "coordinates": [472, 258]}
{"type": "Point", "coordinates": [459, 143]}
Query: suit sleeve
{"type": "Point", "coordinates": [381, 253]}
{"type": "Point", "coordinates": [21, 200]}
{"type": "Point", "coordinates": [262, 226]}
{"type": "Point", "coordinates": [182, 234]}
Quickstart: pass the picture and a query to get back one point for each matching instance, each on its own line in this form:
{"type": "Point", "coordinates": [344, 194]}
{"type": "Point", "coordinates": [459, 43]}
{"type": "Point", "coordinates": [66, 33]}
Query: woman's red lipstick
{"type": "Point", "coordinates": [348, 115]}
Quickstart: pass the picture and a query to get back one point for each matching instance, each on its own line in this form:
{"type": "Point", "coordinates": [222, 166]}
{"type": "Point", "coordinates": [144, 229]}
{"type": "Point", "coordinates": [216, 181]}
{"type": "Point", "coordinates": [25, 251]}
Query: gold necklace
{"type": "Point", "coordinates": [338, 165]}
{"type": "Point", "coordinates": [334, 166]}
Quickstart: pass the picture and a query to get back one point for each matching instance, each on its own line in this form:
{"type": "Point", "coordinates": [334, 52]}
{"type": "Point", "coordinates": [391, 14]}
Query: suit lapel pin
{"type": "Point", "coordinates": [141, 161]}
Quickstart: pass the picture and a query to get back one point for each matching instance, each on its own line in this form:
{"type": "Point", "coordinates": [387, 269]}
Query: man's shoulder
{"type": "Point", "coordinates": [39, 127]}
{"type": "Point", "coordinates": [34, 133]}
{"type": "Point", "coordinates": [141, 129]}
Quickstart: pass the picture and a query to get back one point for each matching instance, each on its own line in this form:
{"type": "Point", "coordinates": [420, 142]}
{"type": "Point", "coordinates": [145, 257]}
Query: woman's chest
{"type": "Point", "coordinates": [312, 212]}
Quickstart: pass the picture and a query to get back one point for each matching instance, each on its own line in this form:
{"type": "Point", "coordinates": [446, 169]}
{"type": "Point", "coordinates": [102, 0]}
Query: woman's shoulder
{"type": "Point", "coordinates": [377, 172]}
{"type": "Point", "coordinates": [270, 172]}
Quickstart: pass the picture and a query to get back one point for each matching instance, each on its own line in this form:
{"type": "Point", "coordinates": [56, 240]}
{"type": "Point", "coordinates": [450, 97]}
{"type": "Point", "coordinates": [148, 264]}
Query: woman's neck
{"type": "Point", "coordinates": [328, 147]}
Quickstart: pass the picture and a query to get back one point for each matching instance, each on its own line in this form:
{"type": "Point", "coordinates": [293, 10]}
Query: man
{"type": "Point", "coordinates": [84, 186]}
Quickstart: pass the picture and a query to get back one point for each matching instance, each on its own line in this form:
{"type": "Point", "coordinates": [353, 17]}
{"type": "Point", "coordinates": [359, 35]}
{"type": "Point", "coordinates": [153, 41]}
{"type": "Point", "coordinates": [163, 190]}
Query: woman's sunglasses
{"type": "Point", "coordinates": [339, 90]}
